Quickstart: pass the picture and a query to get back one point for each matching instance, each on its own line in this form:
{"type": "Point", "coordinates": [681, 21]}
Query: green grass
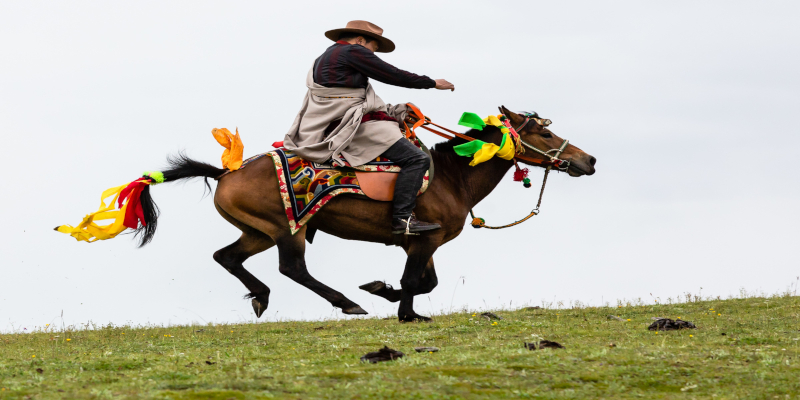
{"type": "Point", "coordinates": [751, 350]}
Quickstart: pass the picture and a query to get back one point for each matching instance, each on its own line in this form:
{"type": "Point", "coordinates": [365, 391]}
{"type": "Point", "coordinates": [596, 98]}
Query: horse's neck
{"type": "Point", "coordinates": [473, 184]}
{"type": "Point", "coordinates": [483, 178]}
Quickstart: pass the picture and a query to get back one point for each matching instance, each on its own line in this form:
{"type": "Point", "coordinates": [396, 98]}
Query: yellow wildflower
{"type": "Point", "coordinates": [691, 335]}
{"type": "Point", "coordinates": [69, 340]}
{"type": "Point", "coordinates": [629, 320]}
{"type": "Point", "coordinates": [33, 356]}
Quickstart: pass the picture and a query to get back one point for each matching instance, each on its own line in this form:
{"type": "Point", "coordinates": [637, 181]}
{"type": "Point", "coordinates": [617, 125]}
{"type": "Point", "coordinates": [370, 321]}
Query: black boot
{"type": "Point", "coordinates": [411, 225]}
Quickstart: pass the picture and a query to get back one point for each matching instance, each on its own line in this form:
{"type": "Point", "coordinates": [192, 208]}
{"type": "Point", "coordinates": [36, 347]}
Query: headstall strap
{"type": "Point", "coordinates": [523, 124]}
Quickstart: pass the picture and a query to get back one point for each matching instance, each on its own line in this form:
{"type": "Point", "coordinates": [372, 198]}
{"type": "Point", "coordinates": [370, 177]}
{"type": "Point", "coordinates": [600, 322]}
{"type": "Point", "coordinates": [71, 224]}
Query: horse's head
{"type": "Point", "coordinates": [534, 133]}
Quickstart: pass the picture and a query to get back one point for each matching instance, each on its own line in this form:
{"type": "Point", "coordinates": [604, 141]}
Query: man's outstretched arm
{"type": "Point", "coordinates": [373, 67]}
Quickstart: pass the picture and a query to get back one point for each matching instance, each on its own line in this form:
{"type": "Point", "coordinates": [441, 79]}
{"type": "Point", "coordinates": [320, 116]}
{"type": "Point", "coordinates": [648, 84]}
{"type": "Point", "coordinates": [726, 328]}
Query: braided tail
{"type": "Point", "coordinates": [133, 207]}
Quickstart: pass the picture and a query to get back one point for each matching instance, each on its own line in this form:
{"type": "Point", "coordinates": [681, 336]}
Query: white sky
{"type": "Point", "coordinates": [691, 110]}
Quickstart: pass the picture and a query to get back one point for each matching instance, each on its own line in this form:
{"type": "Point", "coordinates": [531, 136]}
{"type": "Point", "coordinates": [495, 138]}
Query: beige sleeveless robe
{"type": "Point", "coordinates": [352, 141]}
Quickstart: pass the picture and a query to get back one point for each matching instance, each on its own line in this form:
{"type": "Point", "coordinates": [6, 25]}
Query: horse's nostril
{"type": "Point", "coordinates": [592, 160]}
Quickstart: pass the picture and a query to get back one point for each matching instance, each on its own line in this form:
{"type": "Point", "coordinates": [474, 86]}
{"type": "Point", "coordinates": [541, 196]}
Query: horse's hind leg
{"type": "Point", "coordinates": [291, 254]}
{"type": "Point", "coordinates": [233, 256]}
{"type": "Point", "coordinates": [428, 281]}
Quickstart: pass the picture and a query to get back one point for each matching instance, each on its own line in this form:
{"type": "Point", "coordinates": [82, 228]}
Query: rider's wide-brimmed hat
{"type": "Point", "coordinates": [367, 29]}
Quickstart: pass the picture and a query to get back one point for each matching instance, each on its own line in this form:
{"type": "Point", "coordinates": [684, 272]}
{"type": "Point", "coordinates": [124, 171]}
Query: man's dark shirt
{"type": "Point", "coordinates": [351, 65]}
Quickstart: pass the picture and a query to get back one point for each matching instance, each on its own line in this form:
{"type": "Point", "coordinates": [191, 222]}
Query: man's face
{"type": "Point", "coordinates": [371, 45]}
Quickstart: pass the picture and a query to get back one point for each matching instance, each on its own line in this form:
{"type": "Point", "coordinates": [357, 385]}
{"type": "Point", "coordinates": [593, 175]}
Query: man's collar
{"type": "Point", "coordinates": [341, 42]}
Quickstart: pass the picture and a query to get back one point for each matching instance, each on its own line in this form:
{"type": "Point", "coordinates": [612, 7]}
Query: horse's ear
{"type": "Point", "coordinates": [516, 119]}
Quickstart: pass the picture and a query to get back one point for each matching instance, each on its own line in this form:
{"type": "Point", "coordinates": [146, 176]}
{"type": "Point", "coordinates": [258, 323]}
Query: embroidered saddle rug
{"type": "Point", "coordinates": [306, 186]}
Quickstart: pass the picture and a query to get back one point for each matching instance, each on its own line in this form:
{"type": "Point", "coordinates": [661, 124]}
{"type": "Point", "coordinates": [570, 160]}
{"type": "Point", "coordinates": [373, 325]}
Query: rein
{"type": "Point", "coordinates": [552, 155]}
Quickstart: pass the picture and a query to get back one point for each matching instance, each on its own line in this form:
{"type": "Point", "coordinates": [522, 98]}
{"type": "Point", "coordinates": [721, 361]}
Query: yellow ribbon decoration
{"type": "Point", "coordinates": [89, 231]}
{"type": "Point", "coordinates": [234, 148]}
{"type": "Point", "coordinates": [492, 120]}
{"type": "Point", "coordinates": [489, 150]}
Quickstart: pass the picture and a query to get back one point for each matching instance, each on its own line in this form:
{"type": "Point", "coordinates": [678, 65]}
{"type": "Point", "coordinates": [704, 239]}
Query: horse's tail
{"type": "Point", "coordinates": [180, 167]}
{"type": "Point", "coordinates": [132, 207]}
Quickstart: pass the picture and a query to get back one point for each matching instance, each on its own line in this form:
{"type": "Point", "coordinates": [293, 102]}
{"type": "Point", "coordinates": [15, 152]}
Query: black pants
{"type": "Point", "coordinates": [414, 163]}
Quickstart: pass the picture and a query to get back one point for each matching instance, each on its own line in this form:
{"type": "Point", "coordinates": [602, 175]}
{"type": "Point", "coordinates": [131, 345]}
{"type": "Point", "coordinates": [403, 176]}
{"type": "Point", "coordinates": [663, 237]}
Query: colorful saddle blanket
{"type": "Point", "coordinates": [306, 186]}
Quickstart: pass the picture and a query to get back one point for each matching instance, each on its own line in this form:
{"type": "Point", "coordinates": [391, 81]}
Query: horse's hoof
{"type": "Point", "coordinates": [373, 287]}
{"type": "Point", "coordinates": [357, 310]}
{"type": "Point", "coordinates": [259, 307]}
{"type": "Point", "coordinates": [414, 318]}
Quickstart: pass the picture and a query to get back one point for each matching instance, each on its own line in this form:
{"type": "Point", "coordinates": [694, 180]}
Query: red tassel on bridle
{"type": "Point", "coordinates": [521, 175]}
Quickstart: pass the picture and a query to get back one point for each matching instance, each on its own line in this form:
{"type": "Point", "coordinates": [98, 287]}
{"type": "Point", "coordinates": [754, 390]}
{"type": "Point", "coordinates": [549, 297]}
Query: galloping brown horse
{"type": "Point", "coordinates": [250, 200]}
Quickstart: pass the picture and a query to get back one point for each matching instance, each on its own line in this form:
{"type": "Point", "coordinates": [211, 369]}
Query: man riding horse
{"type": "Point", "coordinates": [342, 119]}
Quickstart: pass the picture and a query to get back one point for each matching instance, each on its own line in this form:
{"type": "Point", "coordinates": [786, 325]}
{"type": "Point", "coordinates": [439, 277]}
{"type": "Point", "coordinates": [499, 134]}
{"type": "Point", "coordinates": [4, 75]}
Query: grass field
{"type": "Point", "coordinates": [744, 348]}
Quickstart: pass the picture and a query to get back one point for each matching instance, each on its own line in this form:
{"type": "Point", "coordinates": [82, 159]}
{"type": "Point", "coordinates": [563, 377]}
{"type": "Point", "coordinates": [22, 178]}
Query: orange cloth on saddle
{"type": "Point", "coordinates": [234, 148]}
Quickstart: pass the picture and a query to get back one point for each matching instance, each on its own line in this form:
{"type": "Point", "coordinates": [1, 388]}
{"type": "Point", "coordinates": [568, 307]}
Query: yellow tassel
{"type": "Point", "coordinates": [89, 231]}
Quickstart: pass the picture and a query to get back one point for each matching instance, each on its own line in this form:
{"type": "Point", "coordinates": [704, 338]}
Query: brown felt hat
{"type": "Point", "coordinates": [367, 29]}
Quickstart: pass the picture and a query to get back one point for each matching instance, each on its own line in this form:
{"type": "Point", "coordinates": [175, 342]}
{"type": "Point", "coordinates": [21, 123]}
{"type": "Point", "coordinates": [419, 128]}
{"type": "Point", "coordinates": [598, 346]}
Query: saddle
{"type": "Point", "coordinates": [306, 186]}
{"type": "Point", "coordinates": [377, 178]}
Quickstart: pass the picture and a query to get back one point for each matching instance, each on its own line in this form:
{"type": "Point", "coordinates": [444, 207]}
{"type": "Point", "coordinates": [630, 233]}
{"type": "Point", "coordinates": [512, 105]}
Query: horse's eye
{"type": "Point", "coordinates": [546, 135]}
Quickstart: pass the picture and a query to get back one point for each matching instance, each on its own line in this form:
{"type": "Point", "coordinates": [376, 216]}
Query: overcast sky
{"type": "Point", "coordinates": [691, 110]}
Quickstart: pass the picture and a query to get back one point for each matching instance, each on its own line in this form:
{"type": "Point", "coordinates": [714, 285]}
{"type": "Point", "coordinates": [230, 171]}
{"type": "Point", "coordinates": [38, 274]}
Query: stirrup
{"type": "Point", "coordinates": [408, 226]}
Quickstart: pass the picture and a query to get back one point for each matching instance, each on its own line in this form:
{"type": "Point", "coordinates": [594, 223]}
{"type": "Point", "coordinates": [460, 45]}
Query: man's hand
{"type": "Point", "coordinates": [443, 84]}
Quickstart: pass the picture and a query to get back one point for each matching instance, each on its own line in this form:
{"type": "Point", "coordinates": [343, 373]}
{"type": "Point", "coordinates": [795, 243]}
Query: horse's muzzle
{"type": "Point", "coordinates": [580, 166]}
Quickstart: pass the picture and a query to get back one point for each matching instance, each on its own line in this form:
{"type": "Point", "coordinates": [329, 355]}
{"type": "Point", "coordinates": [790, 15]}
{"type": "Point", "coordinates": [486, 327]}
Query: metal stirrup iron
{"type": "Point", "coordinates": [408, 226]}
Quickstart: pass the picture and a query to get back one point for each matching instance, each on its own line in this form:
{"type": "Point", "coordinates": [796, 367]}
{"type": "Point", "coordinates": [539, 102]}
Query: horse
{"type": "Point", "coordinates": [250, 200]}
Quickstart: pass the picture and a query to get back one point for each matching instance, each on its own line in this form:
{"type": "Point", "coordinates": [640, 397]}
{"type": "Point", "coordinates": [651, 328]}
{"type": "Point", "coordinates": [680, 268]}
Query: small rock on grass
{"type": "Point", "coordinates": [384, 354]}
{"type": "Point", "coordinates": [426, 349]}
{"type": "Point", "coordinates": [544, 344]}
{"type": "Point", "coordinates": [666, 324]}
{"type": "Point", "coordinates": [490, 316]}
{"type": "Point", "coordinates": [615, 317]}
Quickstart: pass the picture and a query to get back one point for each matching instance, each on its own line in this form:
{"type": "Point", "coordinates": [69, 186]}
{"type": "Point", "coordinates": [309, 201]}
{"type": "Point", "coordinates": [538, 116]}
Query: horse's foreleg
{"type": "Point", "coordinates": [428, 281]}
{"type": "Point", "coordinates": [417, 277]}
{"type": "Point", "coordinates": [232, 257]}
{"type": "Point", "coordinates": [291, 251]}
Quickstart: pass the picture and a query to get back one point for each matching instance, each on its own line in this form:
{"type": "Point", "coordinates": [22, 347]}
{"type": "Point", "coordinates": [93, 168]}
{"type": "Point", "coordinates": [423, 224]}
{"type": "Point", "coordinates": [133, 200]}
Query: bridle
{"type": "Point", "coordinates": [561, 165]}
{"type": "Point", "coordinates": [552, 155]}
